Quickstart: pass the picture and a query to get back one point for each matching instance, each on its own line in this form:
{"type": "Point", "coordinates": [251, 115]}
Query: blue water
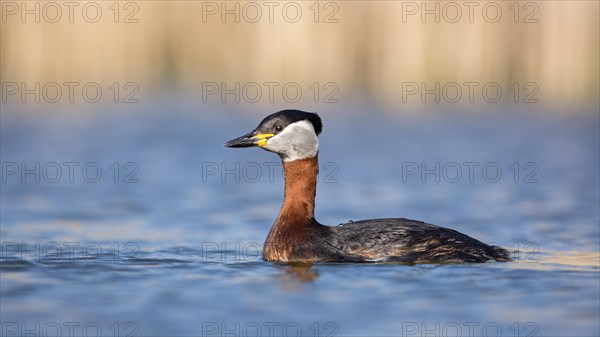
{"type": "Point", "coordinates": [167, 240]}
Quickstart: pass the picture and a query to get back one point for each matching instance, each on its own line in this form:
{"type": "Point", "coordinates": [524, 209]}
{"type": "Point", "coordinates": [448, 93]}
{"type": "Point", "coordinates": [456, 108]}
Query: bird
{"type": "Point", "coordinates": [297, 237]}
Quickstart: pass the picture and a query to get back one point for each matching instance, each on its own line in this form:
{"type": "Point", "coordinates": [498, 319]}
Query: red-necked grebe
{"type": "Point", "coordinates": [297, 237]}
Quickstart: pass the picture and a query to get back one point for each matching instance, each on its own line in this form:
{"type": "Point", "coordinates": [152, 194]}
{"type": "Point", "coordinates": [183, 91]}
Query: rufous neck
{"type": "Point", "coordinates": [300, 188]}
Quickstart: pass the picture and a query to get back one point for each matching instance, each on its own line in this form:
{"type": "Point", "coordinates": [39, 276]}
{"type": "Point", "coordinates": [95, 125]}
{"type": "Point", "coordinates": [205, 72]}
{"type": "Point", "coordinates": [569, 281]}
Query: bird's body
{"type": "Point", "coordinates": [396, 240]}
{"type": "Point", "coordinates": [297, 237]}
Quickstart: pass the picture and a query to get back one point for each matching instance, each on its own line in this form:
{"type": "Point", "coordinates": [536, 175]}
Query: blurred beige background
{"type": "Point", "coordinates": [369, 49]}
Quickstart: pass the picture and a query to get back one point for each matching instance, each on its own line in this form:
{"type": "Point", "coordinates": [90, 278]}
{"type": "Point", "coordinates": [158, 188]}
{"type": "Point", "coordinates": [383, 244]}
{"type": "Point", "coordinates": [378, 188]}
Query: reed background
{"type": "Point", "coordinates": [369, 52]}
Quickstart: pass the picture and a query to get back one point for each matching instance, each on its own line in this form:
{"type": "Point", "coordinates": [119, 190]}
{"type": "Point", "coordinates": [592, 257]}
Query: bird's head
{"type": "Point", "coordinates": [292, 134]}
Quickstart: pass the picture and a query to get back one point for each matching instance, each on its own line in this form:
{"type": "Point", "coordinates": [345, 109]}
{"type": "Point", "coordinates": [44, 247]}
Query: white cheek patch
{"type": "Point", "coordinates": [297, 141]}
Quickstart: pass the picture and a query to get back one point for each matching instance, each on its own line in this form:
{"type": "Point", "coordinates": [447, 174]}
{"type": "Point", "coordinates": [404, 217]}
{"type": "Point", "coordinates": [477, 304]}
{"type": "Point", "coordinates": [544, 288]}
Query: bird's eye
{"type": "Point", "coordinates": [278, 128]}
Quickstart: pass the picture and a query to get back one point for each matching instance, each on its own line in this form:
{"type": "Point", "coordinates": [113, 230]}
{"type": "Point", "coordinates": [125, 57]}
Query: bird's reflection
{"type": "Point", "coordinates": [294, 272]}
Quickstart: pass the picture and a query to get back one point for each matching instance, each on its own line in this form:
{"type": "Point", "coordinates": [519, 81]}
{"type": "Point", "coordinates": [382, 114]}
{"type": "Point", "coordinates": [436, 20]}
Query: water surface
{"type": "Point", "coordinates": [171, 244]}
